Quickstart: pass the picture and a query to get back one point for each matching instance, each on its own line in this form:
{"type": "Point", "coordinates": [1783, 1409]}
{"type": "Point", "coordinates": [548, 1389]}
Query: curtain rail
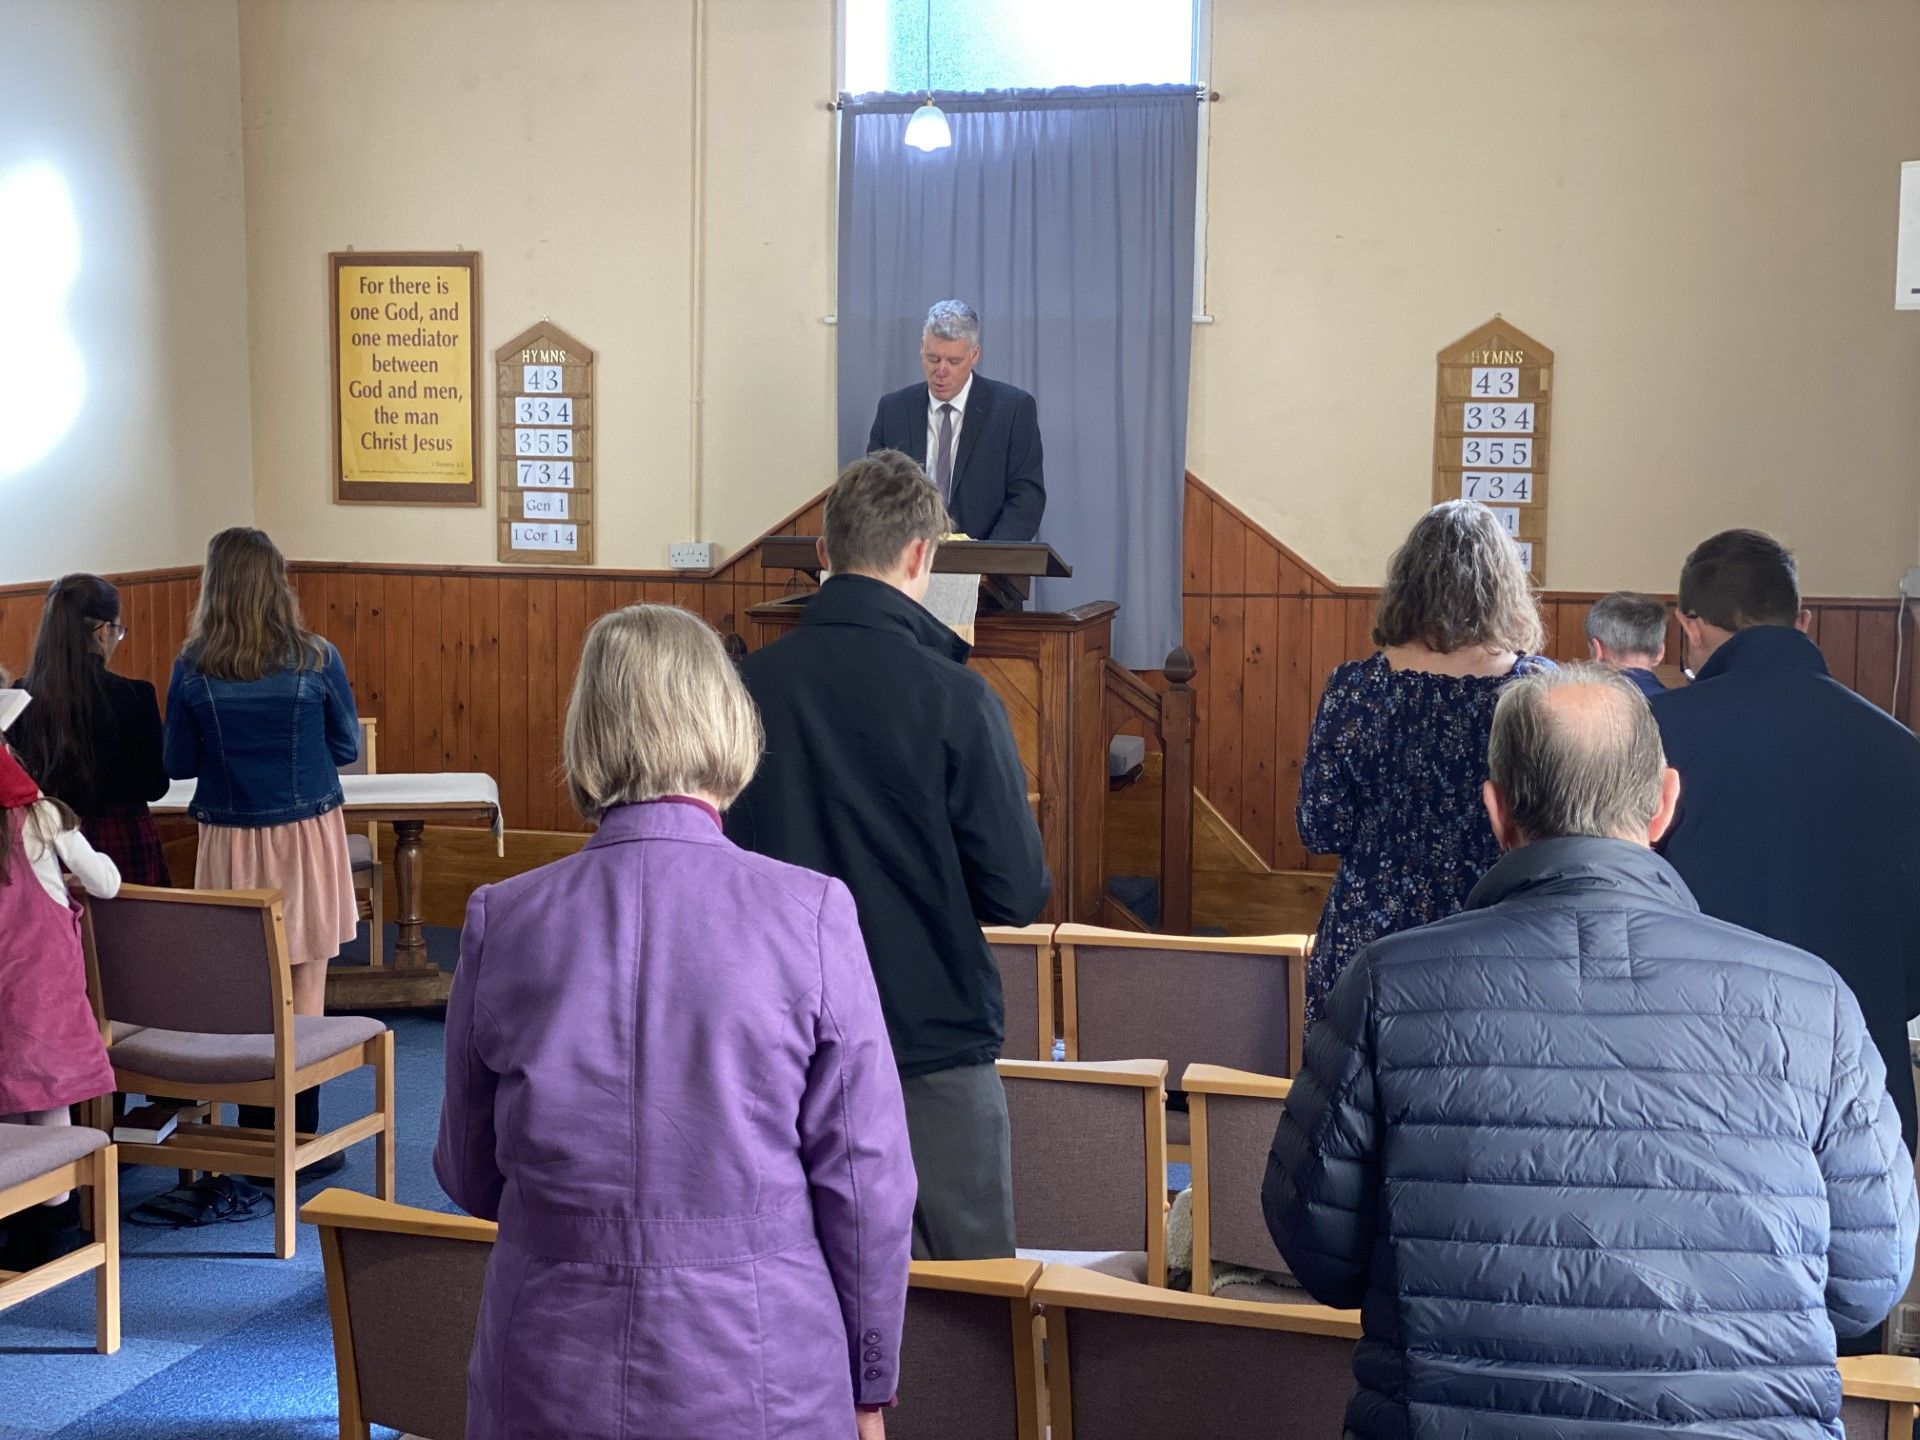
{"type": "Point", "coordinates": [1208, 96]}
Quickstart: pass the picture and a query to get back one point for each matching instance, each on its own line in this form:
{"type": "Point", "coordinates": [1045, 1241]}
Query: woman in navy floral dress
{"type": "Point", "coordinates": [1398, 752]}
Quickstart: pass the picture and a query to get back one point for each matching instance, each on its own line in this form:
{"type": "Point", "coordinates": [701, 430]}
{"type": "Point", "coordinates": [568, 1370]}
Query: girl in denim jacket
{"type": "Point", "coordinates": [260, 716]}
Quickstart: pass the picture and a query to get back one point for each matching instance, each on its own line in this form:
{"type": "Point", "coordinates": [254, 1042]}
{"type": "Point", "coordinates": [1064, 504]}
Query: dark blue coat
{"type": "Point", "coordinates": [1800, 818]}
{"type": "Point", "coordinates": [999, 490]}
{"type": "Point", "coordinates": [1592, 1163]}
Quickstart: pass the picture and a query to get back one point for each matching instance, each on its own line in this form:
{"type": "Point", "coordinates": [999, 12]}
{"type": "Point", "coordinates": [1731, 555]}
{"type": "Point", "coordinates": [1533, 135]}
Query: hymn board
{"type": "Point", "coordinates": [543, 401]}
{"type": "Point", "coordinates": [1492, 424]}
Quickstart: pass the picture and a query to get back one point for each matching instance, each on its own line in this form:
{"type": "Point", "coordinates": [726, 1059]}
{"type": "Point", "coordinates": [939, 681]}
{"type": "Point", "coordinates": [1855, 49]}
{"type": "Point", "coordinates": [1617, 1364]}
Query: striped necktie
{"type": "Point", "coordinates": [943, 459]}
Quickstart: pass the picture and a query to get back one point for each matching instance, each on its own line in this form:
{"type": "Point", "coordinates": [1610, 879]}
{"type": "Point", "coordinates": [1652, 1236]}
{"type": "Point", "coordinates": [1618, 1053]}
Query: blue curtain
{"type": "Point", "coordinates": [1065, 217]}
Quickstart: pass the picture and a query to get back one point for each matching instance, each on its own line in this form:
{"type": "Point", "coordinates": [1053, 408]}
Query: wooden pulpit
{"type": "Point", "coordinates": [1049, 669]}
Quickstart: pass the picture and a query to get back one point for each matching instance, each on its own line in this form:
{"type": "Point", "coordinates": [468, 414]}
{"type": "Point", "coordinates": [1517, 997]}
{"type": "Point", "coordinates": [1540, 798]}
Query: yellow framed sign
{"type": "Point", "coordinates": [404, 328]}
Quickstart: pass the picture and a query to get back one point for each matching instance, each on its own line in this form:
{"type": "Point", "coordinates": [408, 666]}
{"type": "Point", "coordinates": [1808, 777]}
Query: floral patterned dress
{"type": "Point", "coordinates": [1391, 785]}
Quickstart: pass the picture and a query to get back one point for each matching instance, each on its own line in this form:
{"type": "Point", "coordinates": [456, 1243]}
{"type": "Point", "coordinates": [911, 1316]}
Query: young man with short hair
{"type": "Point", "coordinates": [1800, 809]}
{"type": "Point", "coordinates": [892, 766]}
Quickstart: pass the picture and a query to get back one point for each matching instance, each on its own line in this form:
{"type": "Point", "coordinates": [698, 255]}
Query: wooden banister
{"type": "Point", "coordinates": [1176, 795]}
{"type": "Point", "coordinates": [1169, 714]}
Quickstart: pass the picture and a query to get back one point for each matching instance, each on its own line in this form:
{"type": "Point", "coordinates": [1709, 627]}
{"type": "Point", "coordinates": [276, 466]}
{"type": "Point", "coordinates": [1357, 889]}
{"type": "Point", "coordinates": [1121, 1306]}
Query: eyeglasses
{"type": "Point", "coordinates": [115, 628]}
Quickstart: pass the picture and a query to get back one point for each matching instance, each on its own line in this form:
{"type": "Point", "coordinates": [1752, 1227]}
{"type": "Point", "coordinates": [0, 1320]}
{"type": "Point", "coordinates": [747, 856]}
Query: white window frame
{"type": "Point", "coordinates": [1202, 70]}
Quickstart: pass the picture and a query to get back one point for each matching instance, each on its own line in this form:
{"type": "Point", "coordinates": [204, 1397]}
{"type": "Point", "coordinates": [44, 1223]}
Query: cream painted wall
{"type": "Point", "coordinates": [1692, 203]}
{"type": "Point", "coordinates": [137, 107]}
{"type": "Point", "coordinates": [559, 141]}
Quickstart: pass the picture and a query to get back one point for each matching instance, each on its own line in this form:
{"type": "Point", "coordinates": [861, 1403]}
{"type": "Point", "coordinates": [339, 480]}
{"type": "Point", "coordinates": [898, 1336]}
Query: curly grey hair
{"type": "Point", "coordinates": [1455, 581]}
{"type": "Point", "coordinates": [953, 320]}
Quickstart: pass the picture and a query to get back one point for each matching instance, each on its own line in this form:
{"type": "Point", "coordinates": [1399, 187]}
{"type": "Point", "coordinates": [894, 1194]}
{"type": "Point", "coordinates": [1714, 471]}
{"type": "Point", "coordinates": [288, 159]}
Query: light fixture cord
{"type": "Point", "coordinates": [929, 33]}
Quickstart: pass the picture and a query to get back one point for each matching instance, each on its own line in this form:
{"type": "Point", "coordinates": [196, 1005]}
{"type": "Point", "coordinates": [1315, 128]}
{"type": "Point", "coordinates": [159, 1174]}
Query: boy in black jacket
{"type": "Point", "coordinates": [891, 766]}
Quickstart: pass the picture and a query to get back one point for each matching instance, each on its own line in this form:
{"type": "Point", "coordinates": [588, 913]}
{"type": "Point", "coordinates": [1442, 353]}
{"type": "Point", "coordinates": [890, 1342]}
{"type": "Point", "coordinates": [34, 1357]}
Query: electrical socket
{"type": "Point", "coordinates": [692, 555]}
{"type": "Point", "coordinates": [1910, 583]}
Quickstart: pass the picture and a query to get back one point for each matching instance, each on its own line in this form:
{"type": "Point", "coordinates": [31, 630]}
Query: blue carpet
{"type": "Point", "coordinates": [220, 1341]}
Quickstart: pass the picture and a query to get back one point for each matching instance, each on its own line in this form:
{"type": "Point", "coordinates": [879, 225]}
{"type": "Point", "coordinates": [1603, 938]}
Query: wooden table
{"type": "Point", "coordinates": [403, 802]}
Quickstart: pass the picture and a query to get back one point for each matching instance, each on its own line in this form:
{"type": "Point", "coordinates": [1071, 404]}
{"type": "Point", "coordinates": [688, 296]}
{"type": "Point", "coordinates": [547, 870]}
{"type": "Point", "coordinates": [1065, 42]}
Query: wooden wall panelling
{"type": "Point", "coordinates": [1260, 729]}
{"type": "Point", "coordinates": [541, 743]}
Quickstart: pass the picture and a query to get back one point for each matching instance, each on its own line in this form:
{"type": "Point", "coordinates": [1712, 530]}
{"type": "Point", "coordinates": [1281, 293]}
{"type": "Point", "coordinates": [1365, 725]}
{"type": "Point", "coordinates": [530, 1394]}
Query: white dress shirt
{"type": "Point", "coordinates": [959, 403]}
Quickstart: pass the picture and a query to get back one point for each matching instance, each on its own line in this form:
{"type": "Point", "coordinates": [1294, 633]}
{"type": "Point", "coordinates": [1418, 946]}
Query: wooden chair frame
{"type": "Point", "coordinates": [232, 1149]}
{"type": "Point", "coordinates": [377, 877]}
{"type": "Point", "coordinates": [334, 1210]}
{"type": "Point", "coordinates": [1292, 949]}
{"type": "Point", "coordinates": [1892, 1378]}
{"type": "Point", "coordinates": [99, 1175]}
{"type": "Point", "coordinates": [1013, 1279]}
{"type": "Point", "coordinates": [1040, 938]}
{"type": "Point", "coordinates": [1150, 1078]}
{"type": "Point", "coordinates": [1198, 1083]}
{"type": "Point", "coordinates": [1064, 1288]}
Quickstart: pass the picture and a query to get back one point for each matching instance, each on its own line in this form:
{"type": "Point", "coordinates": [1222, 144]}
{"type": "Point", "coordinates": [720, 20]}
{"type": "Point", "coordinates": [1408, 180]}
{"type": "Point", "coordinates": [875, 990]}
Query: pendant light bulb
{"type": "Point", "coordinates": [928, 130]}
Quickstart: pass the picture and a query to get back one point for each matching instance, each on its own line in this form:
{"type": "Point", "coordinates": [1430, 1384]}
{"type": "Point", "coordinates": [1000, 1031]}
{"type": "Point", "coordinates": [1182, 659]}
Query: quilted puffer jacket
{"type": "Point", "coordinates": [1593, 1164]}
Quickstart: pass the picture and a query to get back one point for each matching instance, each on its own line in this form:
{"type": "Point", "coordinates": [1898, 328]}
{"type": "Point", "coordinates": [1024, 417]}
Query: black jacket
{"type": "Point", "coordinates": [126, 750]}
{"type": "Point", "coordinates": [999, 491]}
{"type": "Point", "coordinates": [892, 766]}
{"type": "Point", "coordinates": [1800, 818]}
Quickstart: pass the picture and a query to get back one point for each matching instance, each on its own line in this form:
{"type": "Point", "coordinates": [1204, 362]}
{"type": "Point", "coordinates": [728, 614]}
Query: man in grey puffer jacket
{"type": "Point", "coordinates": [1591, 1163]}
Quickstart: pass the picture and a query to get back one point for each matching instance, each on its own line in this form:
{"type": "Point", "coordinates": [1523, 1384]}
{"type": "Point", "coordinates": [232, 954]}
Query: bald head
{"type": "Point", "coordinates": [1576, 751]}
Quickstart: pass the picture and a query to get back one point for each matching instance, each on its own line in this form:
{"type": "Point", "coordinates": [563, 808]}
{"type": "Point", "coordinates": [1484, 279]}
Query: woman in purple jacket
{"type": "Point", "coordinates": [669, 1080]}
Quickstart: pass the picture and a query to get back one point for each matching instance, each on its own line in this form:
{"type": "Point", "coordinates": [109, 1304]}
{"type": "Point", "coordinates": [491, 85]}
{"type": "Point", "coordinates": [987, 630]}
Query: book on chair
{"type": "Point", "coordinates": [146, 1125]}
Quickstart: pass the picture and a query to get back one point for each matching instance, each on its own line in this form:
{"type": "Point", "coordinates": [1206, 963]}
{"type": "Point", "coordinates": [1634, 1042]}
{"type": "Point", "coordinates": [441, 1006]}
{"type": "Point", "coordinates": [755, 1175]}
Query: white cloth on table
{"type": "Point", "coordinates": [395, 791]}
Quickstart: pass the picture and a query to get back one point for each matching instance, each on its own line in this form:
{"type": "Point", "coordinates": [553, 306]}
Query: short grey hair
{"type": "Point", "coordinates": [1576, 752]}
{"type": "Point", "coordinates": [953, 320]}
{"type": "Point", "coordinates": [1629, 623]}
{"type": "Point", "coordinates": [657, 709]}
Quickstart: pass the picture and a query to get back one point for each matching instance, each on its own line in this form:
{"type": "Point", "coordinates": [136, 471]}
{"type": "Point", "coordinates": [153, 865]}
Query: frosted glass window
{"type": "Point", "coordinates": [1017, 44]}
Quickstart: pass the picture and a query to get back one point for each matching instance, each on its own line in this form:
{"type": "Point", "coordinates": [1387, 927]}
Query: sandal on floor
{"type": "Point", "coordinates": [215, 1200]}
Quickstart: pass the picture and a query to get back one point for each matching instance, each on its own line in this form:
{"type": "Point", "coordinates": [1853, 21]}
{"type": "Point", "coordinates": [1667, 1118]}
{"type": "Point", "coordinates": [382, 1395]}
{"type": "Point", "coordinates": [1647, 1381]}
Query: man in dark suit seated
{"type": "Point", "coordinates": [977, 439]}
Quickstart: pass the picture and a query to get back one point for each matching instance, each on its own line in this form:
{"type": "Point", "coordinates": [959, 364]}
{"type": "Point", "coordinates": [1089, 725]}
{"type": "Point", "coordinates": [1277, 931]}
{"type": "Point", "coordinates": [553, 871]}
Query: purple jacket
{"type": "Point", "coordinates": [668, 1078]}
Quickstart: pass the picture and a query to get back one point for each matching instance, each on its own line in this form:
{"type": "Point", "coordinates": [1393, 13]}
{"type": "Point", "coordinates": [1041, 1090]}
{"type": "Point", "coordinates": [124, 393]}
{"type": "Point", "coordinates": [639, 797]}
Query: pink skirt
{"type": "Point", "coordinates": [306, 861]}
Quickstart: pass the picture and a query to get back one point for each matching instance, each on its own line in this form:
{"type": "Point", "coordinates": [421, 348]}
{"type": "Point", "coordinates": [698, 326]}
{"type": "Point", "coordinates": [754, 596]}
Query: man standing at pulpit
{"type": "Point", "coordinates": [977, 439]}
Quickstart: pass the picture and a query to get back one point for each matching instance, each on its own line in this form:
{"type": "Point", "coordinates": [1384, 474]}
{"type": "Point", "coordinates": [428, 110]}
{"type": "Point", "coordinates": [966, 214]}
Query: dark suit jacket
{"type": "Point", "coordinates": [1800, 818]}
{"type": "Point", "coordinates": [998, 492]}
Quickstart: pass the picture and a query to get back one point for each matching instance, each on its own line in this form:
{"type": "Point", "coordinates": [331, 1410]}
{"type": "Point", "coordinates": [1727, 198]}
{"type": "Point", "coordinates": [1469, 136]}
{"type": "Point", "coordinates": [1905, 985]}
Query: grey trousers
{"type": "Point", "coordinates": [963, 1154]}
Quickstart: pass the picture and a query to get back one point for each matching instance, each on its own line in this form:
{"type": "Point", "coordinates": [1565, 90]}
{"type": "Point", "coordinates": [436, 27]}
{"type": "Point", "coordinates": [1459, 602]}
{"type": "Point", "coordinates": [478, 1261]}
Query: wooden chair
{"type": "Point", "coordinates": [1201, 999]}
{"type": "Point", "coordinates": [403, 1292]}
{"type": "Point", "coordinates": [363, 851]}
{"type": "Point", "coordinates": [1879, 1396]}
{"type": "Point", "coordinates": [1024, 956]}
{"type": "Point", "coordinates": [1234, 1115]}
{"type": "Point", "coordinates": [204, 976]}
{"type": "Point", "coordinates": [970, 1360]}
{"type": "Point", "coordinates": [38, 1162]}
{"type": "Point", "coordinates": [1090, 1163]}
{"type": "Point", "coordinates": [1130, 1362]}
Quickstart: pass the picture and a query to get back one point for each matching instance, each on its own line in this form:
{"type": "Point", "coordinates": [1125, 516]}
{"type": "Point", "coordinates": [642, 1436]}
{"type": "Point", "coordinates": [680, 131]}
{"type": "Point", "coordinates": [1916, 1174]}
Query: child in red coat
{"type": "Point", "coordinates": [51, 1056]}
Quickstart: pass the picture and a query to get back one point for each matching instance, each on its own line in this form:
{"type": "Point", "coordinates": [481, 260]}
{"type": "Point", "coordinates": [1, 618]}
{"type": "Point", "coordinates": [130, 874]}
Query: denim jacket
{"type": "Point", "coordinates": [266, 752]}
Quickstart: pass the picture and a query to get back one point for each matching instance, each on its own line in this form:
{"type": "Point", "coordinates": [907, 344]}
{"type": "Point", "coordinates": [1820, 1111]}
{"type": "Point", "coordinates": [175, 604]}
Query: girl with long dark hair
{"type": "Point", "coordinates": [91, 738]}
